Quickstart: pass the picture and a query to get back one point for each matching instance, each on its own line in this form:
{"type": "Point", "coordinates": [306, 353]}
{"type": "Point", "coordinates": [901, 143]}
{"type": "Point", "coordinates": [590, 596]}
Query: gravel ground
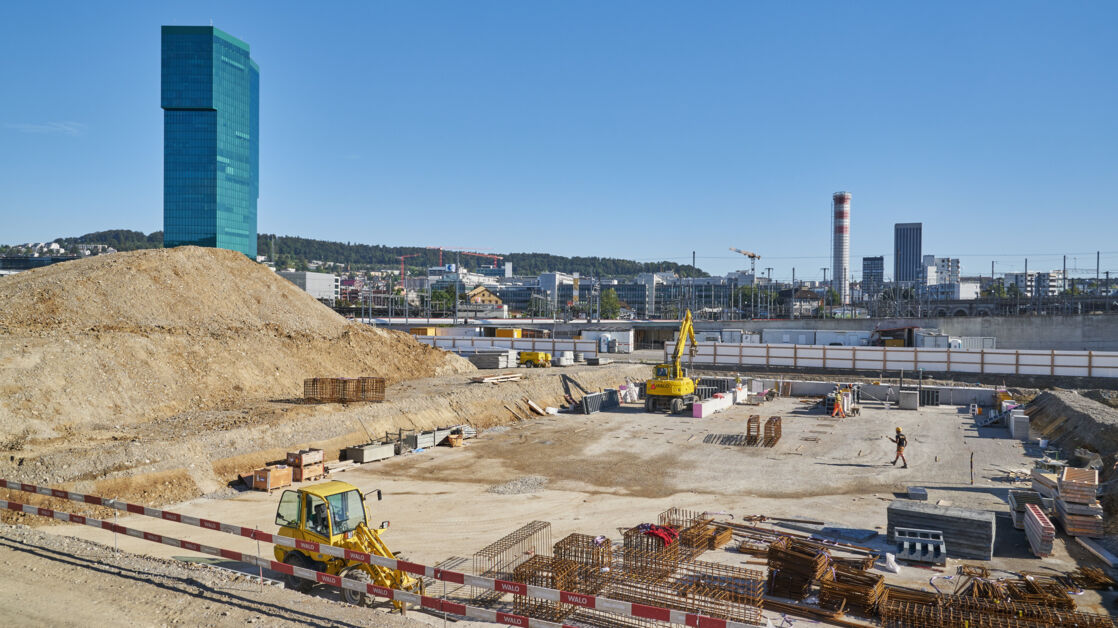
{"type": "Point", "coordinates": [50, 580]}
{"type": "Point", "coordinates": [520, 486]}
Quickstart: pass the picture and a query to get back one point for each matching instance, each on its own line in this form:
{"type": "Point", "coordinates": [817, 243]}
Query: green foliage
{"type": "Point", "coordinates": [609, 304]}
{"type": "Point", "coordinates": [378, 256]}
{"type": "Point", "coordinates": [119, 239]}
{"type": "Point", "coordinates": [996, 289]}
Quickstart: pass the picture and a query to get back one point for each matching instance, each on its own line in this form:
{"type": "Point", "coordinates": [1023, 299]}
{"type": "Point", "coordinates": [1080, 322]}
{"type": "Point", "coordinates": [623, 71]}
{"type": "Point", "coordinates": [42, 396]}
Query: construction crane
{"type": "Point", "coordinates": [670, 388]}
{"type": "Point", "coordinates": [465, 252]}
{"type": "Point", "coordinates": [402, 258]}
{"type": "Point", "coordinates": [753, 257]}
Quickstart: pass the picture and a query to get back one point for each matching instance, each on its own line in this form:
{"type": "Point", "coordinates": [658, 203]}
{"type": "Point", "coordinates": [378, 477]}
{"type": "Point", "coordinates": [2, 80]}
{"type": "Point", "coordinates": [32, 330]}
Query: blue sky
{"type": "Point", "coordinates": [644, 130]}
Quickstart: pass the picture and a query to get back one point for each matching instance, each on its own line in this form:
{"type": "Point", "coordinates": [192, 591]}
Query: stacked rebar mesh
{"type": "Point", "coordinates": [772, 431]}
{"type": "Point", "coordinates": [343, 389]}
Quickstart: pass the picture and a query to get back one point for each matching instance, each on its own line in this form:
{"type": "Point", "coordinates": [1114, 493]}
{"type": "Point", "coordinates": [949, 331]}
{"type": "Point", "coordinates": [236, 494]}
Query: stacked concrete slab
{"type": "Point", "coordinates": [1018, 500]}
{"type": "Point", "coordinates": [1018, 424]}
{"type": "Point", "coordinates": [967, 533]}
{"type": "Point", "coordinates": [493, 359]}
{"type": "Point", "coordinates": [1077, 505]}
{"type": "Point", "coordinates": [1039, 530]}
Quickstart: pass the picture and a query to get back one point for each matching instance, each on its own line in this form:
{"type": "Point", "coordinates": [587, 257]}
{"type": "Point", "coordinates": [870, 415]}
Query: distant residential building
{"type": "Point", "coordinates": [958, 291]}
{"type": "Point", "coordinates": [907, 252]}
{"type": "Point", "coordinates": [322, 286]}
{"type": "Point", "coordinates": [211, 144]}
{"type": "Point", "coordinates": [873, 276]}
{"type": "Point", "coordinates": [946, 269]}
{"type": "Point", "coordinates": [482, 295]}
{"type": "Point", "coordinates": [1033, 284]}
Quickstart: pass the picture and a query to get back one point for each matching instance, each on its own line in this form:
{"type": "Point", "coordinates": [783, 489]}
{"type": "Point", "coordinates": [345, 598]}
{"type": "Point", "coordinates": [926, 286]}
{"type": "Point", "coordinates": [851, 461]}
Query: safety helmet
{"type": "Point", "coordinates": [898, 429]}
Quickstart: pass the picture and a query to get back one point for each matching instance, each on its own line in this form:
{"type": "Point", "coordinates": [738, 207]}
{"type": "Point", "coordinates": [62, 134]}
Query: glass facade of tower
{"type": "Point", "coordinates": [211, 144]}
{"type": "Point", "coordinates": [907, 253]}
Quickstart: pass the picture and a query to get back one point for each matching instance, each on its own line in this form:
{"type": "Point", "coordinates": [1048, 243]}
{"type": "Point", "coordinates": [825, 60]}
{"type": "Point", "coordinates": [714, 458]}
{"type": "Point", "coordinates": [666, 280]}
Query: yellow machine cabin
{"type": "Point", "coordinates": [670, 389]}
{"type": "Point", "coordinates": [334, 513]}
{"type": "Point", "coordinates": [536, 359]}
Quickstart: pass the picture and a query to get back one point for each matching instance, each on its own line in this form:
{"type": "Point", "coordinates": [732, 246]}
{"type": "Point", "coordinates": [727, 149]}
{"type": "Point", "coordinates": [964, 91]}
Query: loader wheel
{"type": "Point", "coordinates": [649, 405]}
{"type": "Point", "coordinates": [355, 597]}
{"type": "Point", "coordinates": [295, 559]}
{"type": "Point", "coordinates": [677, 406]}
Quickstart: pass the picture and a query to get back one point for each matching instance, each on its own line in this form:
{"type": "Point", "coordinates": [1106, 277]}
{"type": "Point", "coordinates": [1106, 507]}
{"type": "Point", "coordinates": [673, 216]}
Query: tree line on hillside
{"type": "Point", "coordinates": [296, 252]}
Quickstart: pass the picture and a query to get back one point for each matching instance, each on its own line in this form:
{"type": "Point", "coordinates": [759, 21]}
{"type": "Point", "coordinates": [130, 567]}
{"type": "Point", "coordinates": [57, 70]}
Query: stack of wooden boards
{"type": "Point", "coordinates": [1044, 482]}
{"type": "Point", "coordinates": [1077, 505]}
{"type": "Point", "coordinates": [306, 465]}
{"type": "Point", "coordinates": [1039, 530]}
{"type": "Point", "coordinates": [967, 533]}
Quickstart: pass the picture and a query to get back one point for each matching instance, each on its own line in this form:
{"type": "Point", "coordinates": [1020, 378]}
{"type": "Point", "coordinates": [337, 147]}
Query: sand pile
{"type": "Point", "coordinates": [137, 336]}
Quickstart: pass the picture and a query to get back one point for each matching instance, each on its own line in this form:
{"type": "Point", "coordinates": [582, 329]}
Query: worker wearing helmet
{"type": "Point", "coordinates": [901, 442]}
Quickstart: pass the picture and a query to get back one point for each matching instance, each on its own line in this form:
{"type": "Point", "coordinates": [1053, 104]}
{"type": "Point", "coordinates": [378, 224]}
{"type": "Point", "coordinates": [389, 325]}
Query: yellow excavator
{"type": "Point", "coordinates": [670, 389]}
{"type": "Point", "coordinates": [333, 513]}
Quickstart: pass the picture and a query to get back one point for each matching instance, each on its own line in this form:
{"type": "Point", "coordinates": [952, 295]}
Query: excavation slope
{"type": "Point", "coordinates": [132, 337]}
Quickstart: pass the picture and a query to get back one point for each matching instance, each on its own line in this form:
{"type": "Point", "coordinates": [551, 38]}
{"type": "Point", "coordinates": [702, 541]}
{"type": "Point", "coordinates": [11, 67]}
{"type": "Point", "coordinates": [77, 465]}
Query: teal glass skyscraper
{"type": "Point", "coordinates": [211, 139]}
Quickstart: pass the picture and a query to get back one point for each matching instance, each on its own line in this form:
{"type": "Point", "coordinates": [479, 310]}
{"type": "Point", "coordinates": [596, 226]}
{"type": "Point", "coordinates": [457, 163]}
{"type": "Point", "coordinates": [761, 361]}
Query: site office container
{"type": "Point", "coordinates": [504, 332]}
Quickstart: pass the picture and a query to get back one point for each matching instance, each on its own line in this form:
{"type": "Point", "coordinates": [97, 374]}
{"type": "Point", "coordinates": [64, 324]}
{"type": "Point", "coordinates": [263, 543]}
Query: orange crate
{"type": "Point", "coordinates": [271, 477]}
{"type": "Point", "coordinates": [309, 472]}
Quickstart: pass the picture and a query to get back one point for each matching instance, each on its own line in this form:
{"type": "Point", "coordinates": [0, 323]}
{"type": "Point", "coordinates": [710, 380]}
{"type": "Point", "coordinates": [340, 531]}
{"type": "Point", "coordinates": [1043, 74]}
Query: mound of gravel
{"type": "Point", "coordinates": [520, 486]}
{"type": "Point", "coordinates": [134, 336]}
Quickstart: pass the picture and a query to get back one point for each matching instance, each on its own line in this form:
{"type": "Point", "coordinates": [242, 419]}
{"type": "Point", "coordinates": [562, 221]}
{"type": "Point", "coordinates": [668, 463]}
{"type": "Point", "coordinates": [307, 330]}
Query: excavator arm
{"type": "Point", "coordinates": [686, 335]}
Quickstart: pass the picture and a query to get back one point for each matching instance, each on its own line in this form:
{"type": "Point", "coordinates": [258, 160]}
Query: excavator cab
{"type": "Point", "coordinates": [334, 513]}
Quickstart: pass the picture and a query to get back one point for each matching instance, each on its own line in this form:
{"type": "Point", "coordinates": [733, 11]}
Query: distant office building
{"type": "Point", "coordinates": [1033, 284]}
{"type": "Point", "coordinates": [907, 257]}
{"type": "Point", "coordinates": [211, 144]}
{"type": "Point", "coordinates": [873, 275]}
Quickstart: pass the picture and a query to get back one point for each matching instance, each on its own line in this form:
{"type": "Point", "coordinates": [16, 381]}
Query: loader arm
{"type": "Point", "coordinates": [370, 542]}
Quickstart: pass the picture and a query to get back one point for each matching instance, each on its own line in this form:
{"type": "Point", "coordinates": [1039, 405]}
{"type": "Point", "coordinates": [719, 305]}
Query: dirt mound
{"type": "Point", "coordinates": [132, 337]}
{"type": "Point", "coordinates": [1072, 421]}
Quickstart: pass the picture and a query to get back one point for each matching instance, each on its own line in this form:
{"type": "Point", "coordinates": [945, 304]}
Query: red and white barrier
{"type": "Point", "coordinates": [627, 609]}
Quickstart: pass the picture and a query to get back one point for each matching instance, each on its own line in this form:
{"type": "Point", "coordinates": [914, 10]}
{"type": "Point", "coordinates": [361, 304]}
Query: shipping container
{"type": "Point", "coordinates": [788, 336]}
{"type": "Point", "coordinates": [507, 332]}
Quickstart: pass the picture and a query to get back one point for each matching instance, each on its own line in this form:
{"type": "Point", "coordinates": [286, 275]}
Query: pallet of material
{"type": "Point", "coordinates": [1078, 525]}
{"type": "Point", "coordinates": [1078, 485]}
{"type": "Point", "coordinates": [492, 360]}
{"type": "Point", "coordinates": [967, 533]}
{"type": "Point", "coordinates": [304, 457]}
{"type": "Point", "coordinates": [370, 452]}
{"type": "Point", "coordinates": [1039, 530]}
{"type": "Point", "coordinates": [598, 361]}
{"type": "Point", "coordinates": [1018, 499]}
{"type": "Point", "coordinates": [1044, 483]}
{"type": "Point", "coordinates": [308, 473]}
{"type": "Point", "coordinates": [271, 477]}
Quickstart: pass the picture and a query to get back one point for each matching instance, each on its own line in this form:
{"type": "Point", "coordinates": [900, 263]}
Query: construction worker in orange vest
{"type": "Point", "coordinates": [901, 442]}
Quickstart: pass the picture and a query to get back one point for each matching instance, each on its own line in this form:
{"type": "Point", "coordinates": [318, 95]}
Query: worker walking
{"type": "Point", "coordinates": [901, 442]}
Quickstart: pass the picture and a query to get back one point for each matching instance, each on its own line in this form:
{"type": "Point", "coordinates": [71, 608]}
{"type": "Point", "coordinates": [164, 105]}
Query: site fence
{"type": "Point", "coordinates": [550, 345]}
{"type": "Point", "coordinates": [622, 608]}
{"type": "Point", "coordinates": [973, 361]}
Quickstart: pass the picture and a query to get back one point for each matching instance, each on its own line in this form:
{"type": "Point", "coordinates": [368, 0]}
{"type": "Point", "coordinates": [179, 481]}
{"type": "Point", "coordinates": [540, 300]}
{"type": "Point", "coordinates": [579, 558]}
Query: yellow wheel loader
{"type": "Point", "coordinates": [334, 513]}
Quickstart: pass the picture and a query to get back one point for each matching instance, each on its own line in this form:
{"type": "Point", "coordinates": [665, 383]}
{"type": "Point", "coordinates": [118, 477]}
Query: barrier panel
{"type": "Point", "coordinates": [550, 345]}
{"type": "Point", "coordinates": [971, 361]}
{"type": "Point", "coordinates": [628, 609]}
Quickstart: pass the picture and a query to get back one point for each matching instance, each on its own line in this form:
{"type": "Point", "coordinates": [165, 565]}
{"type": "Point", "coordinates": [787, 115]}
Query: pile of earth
{"type": "Point", "coordinates": [131, 337]}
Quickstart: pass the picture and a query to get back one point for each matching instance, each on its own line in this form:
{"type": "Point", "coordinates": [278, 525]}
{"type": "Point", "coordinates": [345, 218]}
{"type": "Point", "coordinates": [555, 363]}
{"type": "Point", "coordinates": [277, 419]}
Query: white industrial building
{"type": "Point", "coordinates": [322, 286]}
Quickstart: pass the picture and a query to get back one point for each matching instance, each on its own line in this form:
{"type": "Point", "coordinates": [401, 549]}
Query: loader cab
{"type": "Point", "coordinates": [326, 513]}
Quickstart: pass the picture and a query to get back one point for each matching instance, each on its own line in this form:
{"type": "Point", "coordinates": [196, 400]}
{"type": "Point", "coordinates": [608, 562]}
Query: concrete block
{"type": "Point", "coordinates": [708, 407]}
{"type": "Point", "coordinates": [909, 400]}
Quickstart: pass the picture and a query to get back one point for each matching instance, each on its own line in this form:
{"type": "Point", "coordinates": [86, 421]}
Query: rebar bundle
{"type": "Point", "coordinates": [852, 590]}
{"type": "Point", "coordinates": [973, 613]}
{"type": "Point", "coordinates": [794, 566]}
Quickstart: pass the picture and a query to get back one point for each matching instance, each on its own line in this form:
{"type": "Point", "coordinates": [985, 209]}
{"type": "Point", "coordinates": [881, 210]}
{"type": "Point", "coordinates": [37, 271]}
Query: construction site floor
{"type": "Point", "coordinates": [597, 473]}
